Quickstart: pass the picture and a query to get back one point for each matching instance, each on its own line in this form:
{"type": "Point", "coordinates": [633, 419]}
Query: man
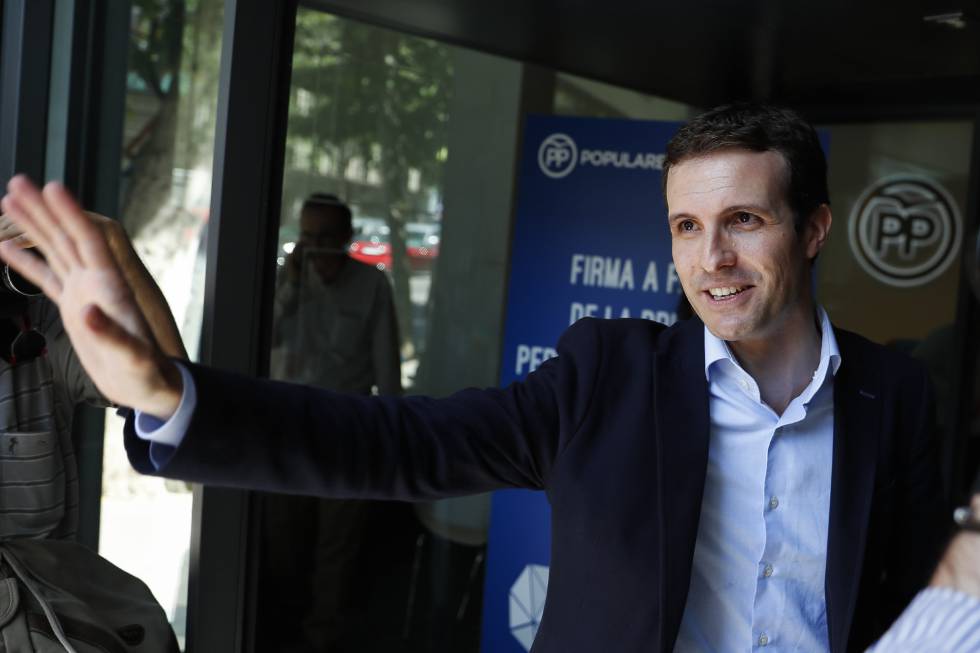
{"type": "Point", "coordinates": [334, 327]}
{"type": "Point", "coordinates": [334, 319]}
{"type": "Point", "coordinates": [759, 479]}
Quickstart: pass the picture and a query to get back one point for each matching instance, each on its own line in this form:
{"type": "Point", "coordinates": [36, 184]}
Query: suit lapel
{"type": "Point", "coordinates": [857, 422]}
{"type": "Point", "coordinates": [682, 428]}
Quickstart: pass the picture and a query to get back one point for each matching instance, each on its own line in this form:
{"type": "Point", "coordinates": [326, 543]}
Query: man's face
{"type": "Point", "coordinates": [741, 263]}
{"type": "Point", "coordinates": [324, 235]}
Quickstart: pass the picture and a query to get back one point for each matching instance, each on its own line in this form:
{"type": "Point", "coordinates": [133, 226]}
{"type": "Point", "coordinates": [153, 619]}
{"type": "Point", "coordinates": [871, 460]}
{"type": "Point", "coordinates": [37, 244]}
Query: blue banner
{"type": "Point", "coordinates": [590, 239]}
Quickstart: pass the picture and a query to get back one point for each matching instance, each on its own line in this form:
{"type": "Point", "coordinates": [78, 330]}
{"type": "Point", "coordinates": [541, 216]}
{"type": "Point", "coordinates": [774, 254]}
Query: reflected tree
{"type": "Point", "coordinates": [369, 116]}
{"type": "Point", "coordinates": [170, 103]}
{"type": "Point", "coordinates": [168, 137]}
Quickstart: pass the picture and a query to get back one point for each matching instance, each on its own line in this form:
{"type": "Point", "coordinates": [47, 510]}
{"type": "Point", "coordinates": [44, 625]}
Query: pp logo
{"type": "Point", "coordinates": [557, 155]}
{"type": "Point", "coordinates": [527, 596]}
{"type": "Point", "coordinates": [905, 231]}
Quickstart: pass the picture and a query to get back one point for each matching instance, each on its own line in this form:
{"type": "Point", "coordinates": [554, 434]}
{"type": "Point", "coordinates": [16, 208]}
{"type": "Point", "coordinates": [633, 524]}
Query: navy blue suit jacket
{"type": "Point", "coordinates": [615, 431]}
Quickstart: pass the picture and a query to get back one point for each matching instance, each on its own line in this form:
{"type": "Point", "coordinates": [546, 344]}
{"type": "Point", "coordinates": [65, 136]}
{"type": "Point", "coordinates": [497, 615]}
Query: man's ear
{"type": "Point", "coordinates": [816, 231]}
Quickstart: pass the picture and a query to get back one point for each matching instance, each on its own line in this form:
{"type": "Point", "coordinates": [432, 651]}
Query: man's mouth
{"type": "Point", "coordinates": [726, 292]}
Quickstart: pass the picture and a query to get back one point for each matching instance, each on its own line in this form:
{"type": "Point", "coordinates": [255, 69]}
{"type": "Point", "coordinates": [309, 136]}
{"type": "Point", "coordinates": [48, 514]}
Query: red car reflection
{"type": "Point", "coordinates": [373, 252]}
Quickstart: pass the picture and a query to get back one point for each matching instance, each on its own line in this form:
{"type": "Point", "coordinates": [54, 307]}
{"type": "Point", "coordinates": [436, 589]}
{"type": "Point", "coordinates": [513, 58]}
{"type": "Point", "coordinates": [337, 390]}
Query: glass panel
{"type": "Point", "coordinates": [971, 458]}
{"type": "Point", "coordinates": [579, 96]}
{"type": "Point", "coordinates": [171, 95]}
{"type": "Point", "coordinates": [890, 270]}
{"type": "Point", "coordinates": [367, 123]}
{"type": "Point", "coordinates": [368, 130]}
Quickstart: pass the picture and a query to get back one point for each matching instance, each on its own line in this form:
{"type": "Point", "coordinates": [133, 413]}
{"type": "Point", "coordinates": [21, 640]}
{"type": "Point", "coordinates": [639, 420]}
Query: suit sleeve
{"type": "Point", "coordinates": [268, 435]}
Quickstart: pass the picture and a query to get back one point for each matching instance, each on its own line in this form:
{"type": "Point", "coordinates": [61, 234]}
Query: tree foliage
{"type": "Point", "coordinates": [380, 98]}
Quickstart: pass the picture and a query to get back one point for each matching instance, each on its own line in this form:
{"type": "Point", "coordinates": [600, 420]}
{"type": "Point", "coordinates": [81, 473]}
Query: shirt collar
{"type": "Point", "coordinates": [716, 349]}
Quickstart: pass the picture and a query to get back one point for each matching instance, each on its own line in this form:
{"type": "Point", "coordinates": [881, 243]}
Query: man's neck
{"type": "Point", "coordinates": [784, 362]}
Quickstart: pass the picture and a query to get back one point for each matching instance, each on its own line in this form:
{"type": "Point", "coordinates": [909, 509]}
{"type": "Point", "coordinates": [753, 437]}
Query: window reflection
{"type": "Point", "coordinates": [368, 129]}
{"type": "Point", "coordinates": [168, 147]}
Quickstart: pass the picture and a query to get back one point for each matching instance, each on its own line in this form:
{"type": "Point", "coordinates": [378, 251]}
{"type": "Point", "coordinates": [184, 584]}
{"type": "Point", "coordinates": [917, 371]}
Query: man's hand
{"type": "Point", "coordinates": [97, 306]}
{"type": "Point", "coordinates": [960, 566]}
{"type": "Point", "coordinates": [10, 230]}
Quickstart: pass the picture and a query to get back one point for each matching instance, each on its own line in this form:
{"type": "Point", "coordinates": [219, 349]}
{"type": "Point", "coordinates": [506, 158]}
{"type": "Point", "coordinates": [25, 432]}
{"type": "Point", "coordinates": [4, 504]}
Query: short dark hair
{"type": "Point", "coordinates": [330, 201]}
{"type": "Point", "coordinates": [760, 128]}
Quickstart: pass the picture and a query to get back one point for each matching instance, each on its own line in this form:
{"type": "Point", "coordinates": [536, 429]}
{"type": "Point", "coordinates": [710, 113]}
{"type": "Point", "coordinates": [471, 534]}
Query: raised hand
{"type": "Point", "coordinates": [99, 311]}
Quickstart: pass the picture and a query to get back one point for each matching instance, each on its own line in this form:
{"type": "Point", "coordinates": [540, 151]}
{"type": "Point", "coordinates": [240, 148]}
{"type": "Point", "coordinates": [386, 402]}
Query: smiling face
{"type": "Point", "coordinates": [741, 262]}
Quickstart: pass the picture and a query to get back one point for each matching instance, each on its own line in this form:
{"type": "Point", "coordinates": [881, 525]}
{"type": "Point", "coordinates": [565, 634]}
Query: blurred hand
{"type": "Point", "coordinates": [101, 316]}
{"type": "Point", "coordinates": [10, 230]}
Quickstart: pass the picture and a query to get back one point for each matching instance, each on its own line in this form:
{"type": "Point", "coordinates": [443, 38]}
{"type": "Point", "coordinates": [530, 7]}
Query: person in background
{"type": "Point", "coordinates": [334, 327]}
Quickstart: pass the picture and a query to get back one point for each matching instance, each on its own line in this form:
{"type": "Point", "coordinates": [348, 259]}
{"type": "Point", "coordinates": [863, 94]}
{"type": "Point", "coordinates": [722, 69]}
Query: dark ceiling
{"type": "Point", "coordinates": [819, 55]}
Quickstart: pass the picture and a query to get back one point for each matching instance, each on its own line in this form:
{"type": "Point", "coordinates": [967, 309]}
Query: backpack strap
{"type": "Point", "coordinates": [24, 577]}
{"type": "Point", "coordinates": [9, 600]}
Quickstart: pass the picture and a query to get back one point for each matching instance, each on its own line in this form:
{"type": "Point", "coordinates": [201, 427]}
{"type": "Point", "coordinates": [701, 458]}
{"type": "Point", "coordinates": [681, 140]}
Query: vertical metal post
{"type": "Point", "coordinates": [966, 454]}
{"type": "Point", "coordinates": [25, 63]}
{"type": "Point", "coordinates": [253, 101]}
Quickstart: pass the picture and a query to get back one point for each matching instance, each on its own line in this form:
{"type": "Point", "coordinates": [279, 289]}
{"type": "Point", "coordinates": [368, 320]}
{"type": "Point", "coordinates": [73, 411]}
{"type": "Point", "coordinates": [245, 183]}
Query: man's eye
{"type": "Point", "coordinates": [745, 218]}
{"type": "Point", "coordinates": [686, 225]}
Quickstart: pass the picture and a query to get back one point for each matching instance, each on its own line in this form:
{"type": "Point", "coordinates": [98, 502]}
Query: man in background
{"type": "Point", "coordinates": [334, 327]}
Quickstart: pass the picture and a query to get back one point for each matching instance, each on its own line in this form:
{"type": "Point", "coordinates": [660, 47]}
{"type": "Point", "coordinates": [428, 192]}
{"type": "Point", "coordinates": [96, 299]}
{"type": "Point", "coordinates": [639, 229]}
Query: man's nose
{"type": "Point", "coordinates": [719, 251]}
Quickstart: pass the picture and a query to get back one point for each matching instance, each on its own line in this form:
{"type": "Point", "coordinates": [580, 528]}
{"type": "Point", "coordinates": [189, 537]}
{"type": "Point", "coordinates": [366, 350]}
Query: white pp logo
{"type": "Point", "coordinates": [557, 155]}
{"type": "Point", "coordinates": [905, 231]}
{"type": "Point", "coordinates": [527, 596]}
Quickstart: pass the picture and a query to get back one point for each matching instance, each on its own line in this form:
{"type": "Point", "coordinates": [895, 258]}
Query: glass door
{"type": "Point", "coordinates": [893, 267]}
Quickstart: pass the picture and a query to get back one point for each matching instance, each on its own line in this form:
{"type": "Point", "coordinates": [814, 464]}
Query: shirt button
{"type": "Point", "coordinates": [763, 640]}
{"type": "Point", "coordinates": [773, 503]}
{"type": "Point", "coordinates": [767, 572]}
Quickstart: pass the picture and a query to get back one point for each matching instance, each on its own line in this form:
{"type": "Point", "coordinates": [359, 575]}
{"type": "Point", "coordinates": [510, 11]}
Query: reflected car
{"type": "Point", "coordinates": [373, 251]}
{"type": "Point", "coordinates": [422, 245]}
{"type": "Point", "coordinates": [372, 242]}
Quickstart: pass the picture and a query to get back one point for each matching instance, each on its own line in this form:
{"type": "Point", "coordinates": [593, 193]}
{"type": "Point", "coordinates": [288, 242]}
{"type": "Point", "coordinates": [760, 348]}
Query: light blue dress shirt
{"type": "Point", "coordinates": [757, 581]}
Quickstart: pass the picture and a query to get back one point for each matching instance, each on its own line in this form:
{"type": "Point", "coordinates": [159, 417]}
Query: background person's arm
{"type": "Point", "coordinates": [946, 615]}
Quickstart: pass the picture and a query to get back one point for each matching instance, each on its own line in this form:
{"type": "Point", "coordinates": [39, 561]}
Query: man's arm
{"type": "Point", "coordinates": [282, 437]}
{"type": "Point", "coordinates": [262, 434]}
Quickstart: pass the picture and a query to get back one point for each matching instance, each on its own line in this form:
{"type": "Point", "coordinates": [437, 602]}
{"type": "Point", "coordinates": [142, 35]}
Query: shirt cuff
{"type": "Point", "coordinates": [939, 619]}
{"type": "Point", "coordinates": [165, 436]}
